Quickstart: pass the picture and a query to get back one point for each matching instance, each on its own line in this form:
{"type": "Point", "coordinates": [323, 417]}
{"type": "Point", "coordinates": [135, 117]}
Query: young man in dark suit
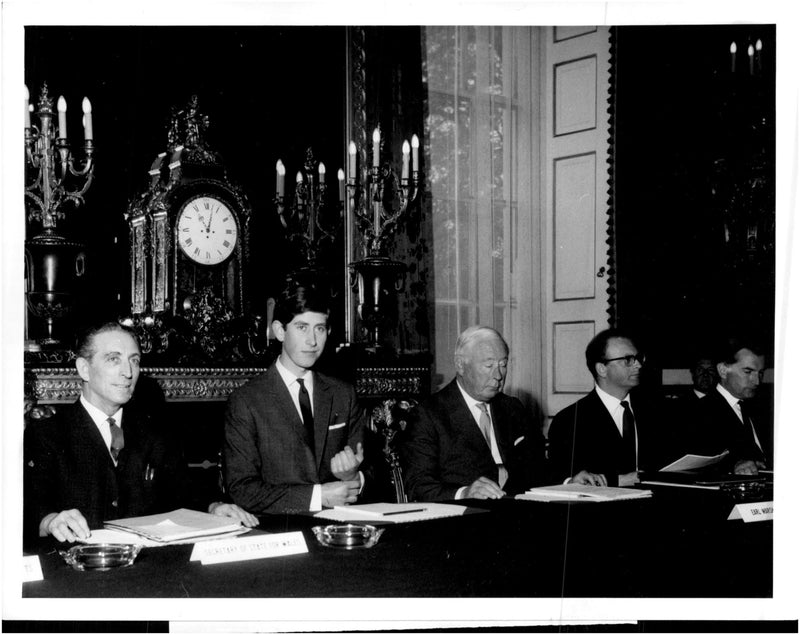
{"type": "Point", "coordinates": [293, 436]}
{"type": "Point", "coordinates": [98, 459]}
{"type": "Point", "coordinates": [606, 437]}
{"type": "Point", "coordinates": [470, 440]}
{"type": "Point", "coordinates": [726, 419]}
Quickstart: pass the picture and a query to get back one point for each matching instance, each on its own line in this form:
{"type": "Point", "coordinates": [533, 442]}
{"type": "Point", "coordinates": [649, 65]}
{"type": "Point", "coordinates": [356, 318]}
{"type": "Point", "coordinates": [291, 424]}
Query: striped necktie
{"type": "Point", "coordinates": [117, 438]}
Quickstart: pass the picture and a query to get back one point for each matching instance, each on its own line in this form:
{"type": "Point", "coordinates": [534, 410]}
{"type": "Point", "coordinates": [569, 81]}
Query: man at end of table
{"type": "Point", "coordinates": [100, 459]}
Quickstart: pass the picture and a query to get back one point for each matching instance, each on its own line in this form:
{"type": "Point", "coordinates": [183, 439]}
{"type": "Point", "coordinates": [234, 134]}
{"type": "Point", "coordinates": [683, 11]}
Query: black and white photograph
{"type": "Point", "coordinates": [368, 318]}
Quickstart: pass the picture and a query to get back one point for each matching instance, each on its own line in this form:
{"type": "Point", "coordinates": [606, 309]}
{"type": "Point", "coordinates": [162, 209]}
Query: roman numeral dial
{"type": "Point", "coordinates": [207, 230]}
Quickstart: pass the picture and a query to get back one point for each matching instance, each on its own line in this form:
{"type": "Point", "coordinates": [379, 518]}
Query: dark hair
{"type": "Point", "coordinates": [596, 349]}
{"type": "Point", "coordinates": [729, 347]}
{"type": "Point", "coordinates": [84, 343]}
{"type": "Point", "coordinates": [299, 298]}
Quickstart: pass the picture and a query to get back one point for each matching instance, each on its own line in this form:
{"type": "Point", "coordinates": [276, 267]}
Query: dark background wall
{"type": "Point", "coordinates": [694, 151]}
{"type": "Point", "coordinates": [270, 92]}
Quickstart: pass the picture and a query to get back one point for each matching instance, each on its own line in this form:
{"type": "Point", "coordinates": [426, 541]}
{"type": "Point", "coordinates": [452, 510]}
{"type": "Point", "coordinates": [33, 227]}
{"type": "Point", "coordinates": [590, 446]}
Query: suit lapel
{"type": "Point", "coordinates": [283, 402]}
{"type": "Point", "coordinates": [323, 402]}
{"type": "Point", "coordinates": [501, 421]}
{"type": "Point", "coordinates": [462, 419]}
{"type": "Point", "coordinates": [86, 427]}
{"type": "Point", "coordinates": [610, 427]}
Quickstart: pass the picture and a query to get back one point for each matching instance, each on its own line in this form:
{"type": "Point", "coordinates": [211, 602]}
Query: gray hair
{"type": "Point", "coordinates": [473, 334]}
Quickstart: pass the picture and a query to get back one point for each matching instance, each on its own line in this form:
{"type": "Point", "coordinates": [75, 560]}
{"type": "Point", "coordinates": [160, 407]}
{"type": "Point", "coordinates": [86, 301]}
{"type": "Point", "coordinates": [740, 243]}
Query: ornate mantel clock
{"type": "Point", "coordinates": [189, 245]}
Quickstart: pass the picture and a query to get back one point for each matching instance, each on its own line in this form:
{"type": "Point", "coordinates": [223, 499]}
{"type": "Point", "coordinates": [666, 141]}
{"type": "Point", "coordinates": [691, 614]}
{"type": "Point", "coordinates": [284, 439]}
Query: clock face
{"type": "Point", "coordinates": [207, 230]}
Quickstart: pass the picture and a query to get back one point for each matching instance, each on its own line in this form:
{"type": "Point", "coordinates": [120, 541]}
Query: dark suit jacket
{"type": "Point", "coordinates": [716, 427]}
{"type": "Point", "coordinates": [67, 465]}
{"type": "Point", "coordinates": [268, 466]}
{"type": "Point", "coordinates": [443, 448]}
{"type": "Point", "coordinates": [583, 436]}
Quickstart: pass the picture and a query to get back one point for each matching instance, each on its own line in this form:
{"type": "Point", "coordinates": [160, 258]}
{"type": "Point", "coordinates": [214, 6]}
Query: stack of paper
{"type": "Point", "coordinates": [576, 491]}
{"type": "Point", "coordinates": [391, 512]}
{"type": "Point", "coordinates": [180, 525]}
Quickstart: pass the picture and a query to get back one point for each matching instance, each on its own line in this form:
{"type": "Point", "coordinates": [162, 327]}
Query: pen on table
{"type": "Point", "coordinates": [404, 511]}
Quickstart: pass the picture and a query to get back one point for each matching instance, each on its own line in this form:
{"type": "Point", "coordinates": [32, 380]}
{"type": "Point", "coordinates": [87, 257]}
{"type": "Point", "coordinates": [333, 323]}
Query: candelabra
{"type": "Point", "coordinates": [308, 218]}
{"type": "Point", "coordinates": [53, 180]}
{"type": "Point", "coordinates": [378, 205]}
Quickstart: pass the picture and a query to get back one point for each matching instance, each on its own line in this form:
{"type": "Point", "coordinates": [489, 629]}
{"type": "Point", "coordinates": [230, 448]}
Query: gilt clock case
{"type": "Point", "coordinates": [208, 223]}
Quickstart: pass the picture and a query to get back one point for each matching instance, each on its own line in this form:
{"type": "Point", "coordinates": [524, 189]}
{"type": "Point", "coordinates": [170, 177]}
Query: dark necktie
{"type": "Point", "coordinates": [308, 417]}
{"type": "Point", "coordinates": [117, 438]}
{"type": "Point", "coordinates": [628, 439]}
{"type": "Point", "coordinates": [747, 420]}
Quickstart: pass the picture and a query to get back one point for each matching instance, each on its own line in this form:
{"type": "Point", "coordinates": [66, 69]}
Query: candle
{"type": "Point", "coordinates": [321, 172]}
{"type": "Point", "coordinates": [733, 57]}
{"type": "Point", "coordinates": [280, 173]}
{"type": "Point", "coordinates": [758, 53]}
{"type": "Point", "coordinates": [62, 118]}
{"type": "Point", "coordinates": [351, 165]}
{"type": "Point", "coordinates": [750, 52]}
{"type": "Point", "coordinates": [340, 174]}
{"type": "Point", "coordinates": [27, 107]}
{"type": "Point", "coordinates": [376, 148]}
{"type": "Point", "coordinates": [406, 151]}
{"type": "Point", "coordinates": [414, 153]}
{"type": "Point", "coordinates": [87, 119]}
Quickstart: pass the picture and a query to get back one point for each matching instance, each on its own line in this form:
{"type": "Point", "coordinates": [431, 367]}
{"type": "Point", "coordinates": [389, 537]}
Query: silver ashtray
{"type": "Point", "coordinates": [347, 536]}
{"type": "Point", "coordinates": [744, 491]}
{"type": "Point", "coordinates": [101, 557]}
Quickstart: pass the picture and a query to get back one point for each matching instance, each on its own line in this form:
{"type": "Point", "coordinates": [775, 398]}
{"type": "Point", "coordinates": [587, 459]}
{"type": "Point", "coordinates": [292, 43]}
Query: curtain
{"type": "Point", "coordinates": [478, 127]}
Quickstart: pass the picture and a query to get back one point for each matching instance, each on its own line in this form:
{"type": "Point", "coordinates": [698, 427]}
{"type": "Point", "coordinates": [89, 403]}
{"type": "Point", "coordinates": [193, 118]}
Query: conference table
{"type": "Point", "coordinates": [677, 543]}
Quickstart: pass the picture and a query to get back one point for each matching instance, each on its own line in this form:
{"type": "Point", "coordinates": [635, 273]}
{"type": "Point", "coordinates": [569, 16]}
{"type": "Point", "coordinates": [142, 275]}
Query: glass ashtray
{"type": "Point", "coordinates": [747, 491]}
{"type": "Point", "coordinates": [347, 536]}
{"type": "Point", "coordinates": [101, 557]}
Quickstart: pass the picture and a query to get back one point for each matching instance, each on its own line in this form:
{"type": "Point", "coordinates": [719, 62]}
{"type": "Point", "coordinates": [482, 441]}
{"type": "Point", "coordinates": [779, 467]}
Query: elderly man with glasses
{"type": "Point", "coordinates": [604, 438]}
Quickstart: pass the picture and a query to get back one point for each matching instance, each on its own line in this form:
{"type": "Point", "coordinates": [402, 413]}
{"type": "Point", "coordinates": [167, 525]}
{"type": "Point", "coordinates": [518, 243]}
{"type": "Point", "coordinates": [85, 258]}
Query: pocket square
{"type": "Point", "coordinates": [518, 441]}
{"type": "Point", "coordinates": [337, 425]}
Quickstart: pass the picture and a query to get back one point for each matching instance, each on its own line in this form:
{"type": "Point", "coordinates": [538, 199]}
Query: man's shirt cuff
{"type": "Point", "coordinates": [316, 499]}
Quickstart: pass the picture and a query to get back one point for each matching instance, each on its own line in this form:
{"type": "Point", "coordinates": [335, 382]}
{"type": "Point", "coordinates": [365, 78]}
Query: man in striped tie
{"type": "Point", "coordinates": [470, 440]}
{"type": "Point", "coordinates": [101, 458]}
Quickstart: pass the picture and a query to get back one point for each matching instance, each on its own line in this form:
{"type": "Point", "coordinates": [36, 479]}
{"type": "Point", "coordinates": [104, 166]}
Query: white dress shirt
{"type": "Point", "coordinates": [617, 412]}
{"type": "Point", "coordinates": [100, 419]}
{"type": "Point", "coordinates": [733, 402]}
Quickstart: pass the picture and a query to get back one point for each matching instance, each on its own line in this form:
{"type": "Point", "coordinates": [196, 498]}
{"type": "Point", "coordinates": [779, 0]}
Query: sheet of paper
{"type": "Point", "coordinates": [693, 462]}
{"type": "Point", "coordinates": [428, 511]}
{"type": "Point", "coordinates": [118, 537]}
{"type": "Point", "coordinates": [380, 510]}
{"type": "Point", "coordinates": [588, 493]}
{"type": "Point", "coordinates": [179, 524]}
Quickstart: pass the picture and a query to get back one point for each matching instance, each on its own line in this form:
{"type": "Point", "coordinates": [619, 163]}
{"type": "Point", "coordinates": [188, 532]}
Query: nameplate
{"type": "Point", "coordinates": [249, 548]}
{"type": "Point", "coordinates": [31, 569]}
{"type": "Point", "coordinates": [752, 512]}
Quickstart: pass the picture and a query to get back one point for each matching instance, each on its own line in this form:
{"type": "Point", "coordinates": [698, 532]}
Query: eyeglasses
{"type": "Point", "coordinates": [629, 360]}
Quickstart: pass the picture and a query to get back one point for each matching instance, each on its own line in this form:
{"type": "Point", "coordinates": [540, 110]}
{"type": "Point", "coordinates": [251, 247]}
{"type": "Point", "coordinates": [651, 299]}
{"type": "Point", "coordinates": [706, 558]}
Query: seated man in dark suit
{"type": "Point", "coordinates": [470, 440]}
{"type": "Point", "coordinates": [97, 460]}
{"type": "Point", "coordinates": [607, 436]}
{"type": "Point", "coordinates": [293, 436]}
{"type": "Point", "coordinates": [726, 418]}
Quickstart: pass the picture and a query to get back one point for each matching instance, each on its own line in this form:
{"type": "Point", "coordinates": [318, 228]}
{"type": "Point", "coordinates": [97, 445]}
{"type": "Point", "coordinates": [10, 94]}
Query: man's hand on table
{"type": "Point", "coordinates": [484, 488]}
{"type": "Point", "coordinates": [589, 478]}
{"type": "Point", "coordinates": [340, 492]}
{"type": "Point", "coordinates": [233, 511]}
{"type": "Point", "coordinates": [66, 526]}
